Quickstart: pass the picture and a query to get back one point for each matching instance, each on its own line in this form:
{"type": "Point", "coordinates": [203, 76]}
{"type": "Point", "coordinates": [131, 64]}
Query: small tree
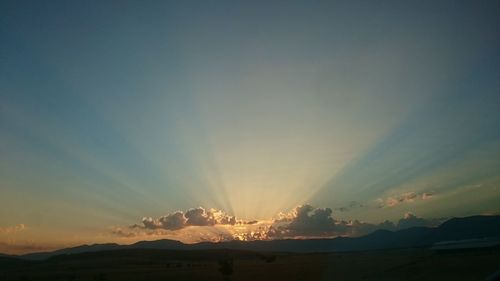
{"type": "Point", "coordinates": [226, 267]}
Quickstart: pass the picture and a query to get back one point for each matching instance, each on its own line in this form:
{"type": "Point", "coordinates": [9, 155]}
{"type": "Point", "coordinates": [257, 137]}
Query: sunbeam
{"type": "Point", "coordinates": [270, 119]}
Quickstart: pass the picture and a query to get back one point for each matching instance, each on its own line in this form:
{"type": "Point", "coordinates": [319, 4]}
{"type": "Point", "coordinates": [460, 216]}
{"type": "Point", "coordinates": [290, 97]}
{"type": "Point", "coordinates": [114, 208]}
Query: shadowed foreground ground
{"type": "Point", "coordinates": [410, 264]}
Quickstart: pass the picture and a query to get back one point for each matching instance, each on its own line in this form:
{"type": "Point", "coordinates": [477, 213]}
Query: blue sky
{"type": "Point", "coordinates": [111, 111]}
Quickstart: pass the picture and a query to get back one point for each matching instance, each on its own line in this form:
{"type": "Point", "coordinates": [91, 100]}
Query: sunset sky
{"type": "Point", "coordinates": [280, 119]}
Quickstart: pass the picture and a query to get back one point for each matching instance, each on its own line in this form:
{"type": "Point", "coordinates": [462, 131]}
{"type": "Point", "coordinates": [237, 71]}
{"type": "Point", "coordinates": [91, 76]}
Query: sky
{"type": "Point", "coordinates": [123, 121]}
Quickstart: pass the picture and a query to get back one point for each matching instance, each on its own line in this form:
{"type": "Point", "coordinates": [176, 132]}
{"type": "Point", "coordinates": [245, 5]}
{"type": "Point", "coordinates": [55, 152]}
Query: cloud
{"type": "Point", "coordinates": [118, 231]}
{"type": "Point", "coordinates": [192, 217]}
{"type": "Point", "coordinates": [427, 195]}
{"type": "Point", "coordinates": [311, 221]}
{"type": "Point", "coordinates": [411, 220]}
{"type": "Point", "coordinates": [12, 229]}
{"type": "Point", "coordinates": [199, 216]}
{"type": "Point", "coordinates": [173, 221]}
{"type": "Point", "coordinates": [307, 221]}
{"type": "Point", "coordinates": [407, 197]}
{"type": "Point", "coordinates": [350, 206]}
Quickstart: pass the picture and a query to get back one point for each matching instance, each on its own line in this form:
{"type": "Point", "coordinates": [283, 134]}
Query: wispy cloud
{"type": "Point", "coordinates": [407, 197]}
{"type": "Point", "coordinates": [120, 232]}
{"type": "Point", "coordinates": [348, 207]}
{"type": "Point", "coordinates": [12, 229]}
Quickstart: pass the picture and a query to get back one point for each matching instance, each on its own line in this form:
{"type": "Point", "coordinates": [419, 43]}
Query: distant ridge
{"type": "Point", "coordinates": [474, 227]}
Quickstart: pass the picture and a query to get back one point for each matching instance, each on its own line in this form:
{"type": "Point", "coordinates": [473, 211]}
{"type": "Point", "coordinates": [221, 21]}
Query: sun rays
{"type": "Point", "coordinates": [111, 115]}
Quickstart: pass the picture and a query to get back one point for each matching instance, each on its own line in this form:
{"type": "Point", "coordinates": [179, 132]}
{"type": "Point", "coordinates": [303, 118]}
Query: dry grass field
{"type": "Point", "coordinates": [152, 265]}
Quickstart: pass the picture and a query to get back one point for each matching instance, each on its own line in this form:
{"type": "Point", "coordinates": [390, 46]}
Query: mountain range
{"type": "Point", "coordinates": [456, 229]}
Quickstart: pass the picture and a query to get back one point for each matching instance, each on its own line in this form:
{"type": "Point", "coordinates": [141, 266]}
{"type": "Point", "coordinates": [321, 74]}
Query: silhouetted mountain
{"type": "Point", "coordinates": [475, 227]}
{"type": "Point", "coordinates": [75, 250]}
{"type": "Point", "coordinates": [383, 239]}
{"type": "Point", "coordinates": [159, 244]}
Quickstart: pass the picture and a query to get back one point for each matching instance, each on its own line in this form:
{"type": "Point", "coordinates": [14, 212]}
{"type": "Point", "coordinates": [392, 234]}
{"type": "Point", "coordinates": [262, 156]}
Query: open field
{"type": "Point", "coordinates": [405, 264]}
